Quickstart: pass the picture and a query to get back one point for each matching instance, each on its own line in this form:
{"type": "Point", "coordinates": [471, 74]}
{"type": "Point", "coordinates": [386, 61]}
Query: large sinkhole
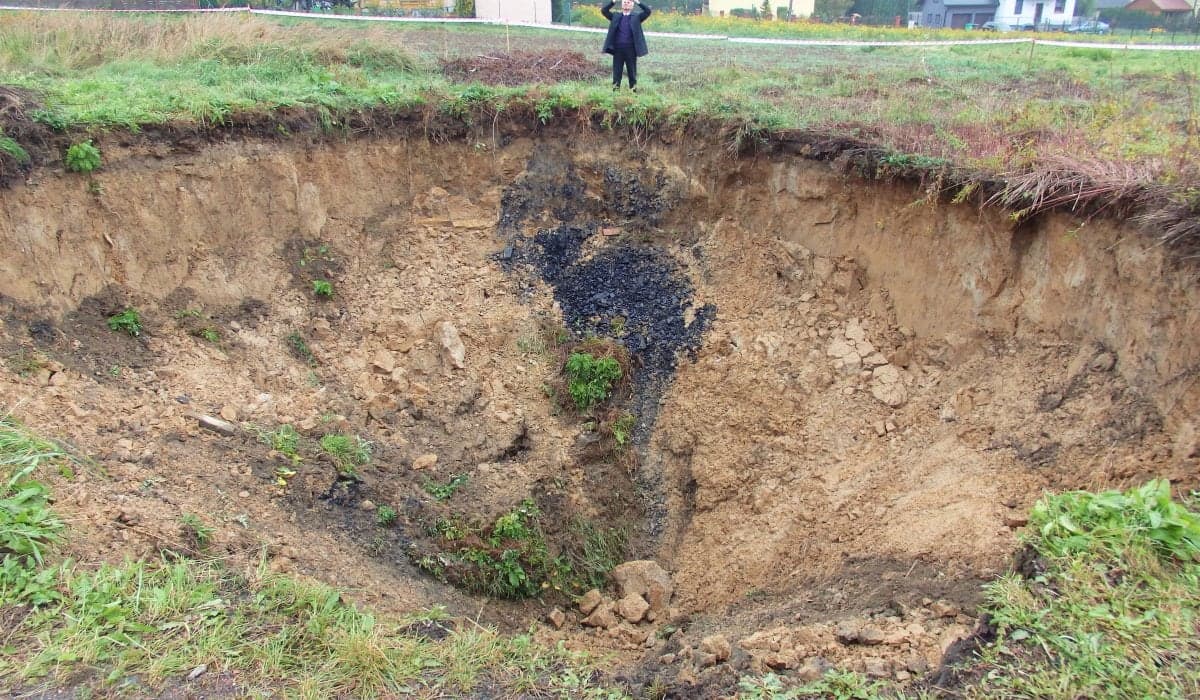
{"type": "Point", "coordinates": [838, 398]}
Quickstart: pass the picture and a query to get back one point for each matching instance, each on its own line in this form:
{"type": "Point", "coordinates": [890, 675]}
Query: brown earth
{"type": "Point", "coordinates": [888, 384]}
{"type": "Point", "coordinates": [522, 68]}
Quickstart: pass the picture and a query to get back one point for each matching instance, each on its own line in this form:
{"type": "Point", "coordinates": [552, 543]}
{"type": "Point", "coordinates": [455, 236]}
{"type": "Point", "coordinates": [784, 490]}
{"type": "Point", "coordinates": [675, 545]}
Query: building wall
{"type": "Point", "coordinates": [1019, 13]}
{"type": "Point", "coordinates": [514, 10]}
{"type": "Point", "coordinates": [800, 8]}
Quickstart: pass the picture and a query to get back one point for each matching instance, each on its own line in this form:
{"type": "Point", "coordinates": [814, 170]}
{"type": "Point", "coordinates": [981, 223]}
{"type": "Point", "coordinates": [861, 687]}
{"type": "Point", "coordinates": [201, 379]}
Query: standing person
{"type": "Point", "coordinates": [625, 40]}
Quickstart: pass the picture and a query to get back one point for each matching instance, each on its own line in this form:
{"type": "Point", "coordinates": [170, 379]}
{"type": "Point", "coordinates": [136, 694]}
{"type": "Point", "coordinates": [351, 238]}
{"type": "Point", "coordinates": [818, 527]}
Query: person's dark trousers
{"type": "Point", "coordinates": [624, 56]}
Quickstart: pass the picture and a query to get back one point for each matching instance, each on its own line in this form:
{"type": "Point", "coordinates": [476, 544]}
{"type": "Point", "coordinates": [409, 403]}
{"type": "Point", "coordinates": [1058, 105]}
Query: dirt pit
{"type": "Point", "coordinates": [843, 396]}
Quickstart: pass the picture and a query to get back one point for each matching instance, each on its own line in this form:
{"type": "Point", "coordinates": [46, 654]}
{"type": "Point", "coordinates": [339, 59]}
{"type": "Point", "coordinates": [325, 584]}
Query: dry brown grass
{"type": "Point", "coordinates": [75, 41]}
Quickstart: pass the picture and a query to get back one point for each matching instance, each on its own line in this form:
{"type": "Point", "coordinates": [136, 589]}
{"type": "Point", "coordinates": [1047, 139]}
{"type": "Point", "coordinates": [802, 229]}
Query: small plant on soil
{"type": "Point", "coordinates": [299, 348]}
{"type": "Point", "coordinates": [25, 363]}
{"type": "Point", "coordinates": [347, 453]}
{"type": "Point", "coordinates": [622, 429]}
{"type": "Point", "coordinates": [323, 289]}
{"type": "Point", "coordinates": [283, 439]}
{"type": "Point", "coordinates": [443, 492]}
{"type": "Point", "coordinates": [13, 149]}
{"type": "Point", "coordinates": [128, 321]}
{"type": "Point", "coordinates": [209, 334]}
{"type": "Point", "coordinates": [590, 379]}
{"type": "Point", "coordinates": [82, 157]}
{"type": "Point", "coordinates": [385, 516]}
{"type": "Point", "coordinates": [509, 559]}
{"type": "Point", "coordinates": [197, 534]}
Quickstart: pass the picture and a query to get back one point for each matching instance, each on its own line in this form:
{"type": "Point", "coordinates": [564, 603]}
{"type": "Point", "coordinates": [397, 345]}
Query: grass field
{"type": "Point", "coordinates": [1001, 109]}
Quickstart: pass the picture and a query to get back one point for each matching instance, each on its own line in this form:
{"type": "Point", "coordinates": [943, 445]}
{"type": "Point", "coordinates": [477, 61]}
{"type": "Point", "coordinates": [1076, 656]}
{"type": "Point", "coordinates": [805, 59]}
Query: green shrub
{"type": "Point", "coordinates": [128, 321]}
{"type": "Point", "coordinates": [589, 379]}
{"type": "Point", "coordinates": [622, 429]}
{"type": "Point", "coordinates": [83, 157]}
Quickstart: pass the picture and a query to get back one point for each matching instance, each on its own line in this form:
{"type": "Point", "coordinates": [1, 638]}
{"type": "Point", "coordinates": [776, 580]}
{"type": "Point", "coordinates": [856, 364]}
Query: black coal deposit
{"type": "Point", "coordinates": [635, 294]}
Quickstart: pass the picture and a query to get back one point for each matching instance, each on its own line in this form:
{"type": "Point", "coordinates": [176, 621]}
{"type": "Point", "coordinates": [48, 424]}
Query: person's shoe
{"type": "Point", "coordinates": [634, 88]}
{"type": "Point", "coordinates": [617, 88]}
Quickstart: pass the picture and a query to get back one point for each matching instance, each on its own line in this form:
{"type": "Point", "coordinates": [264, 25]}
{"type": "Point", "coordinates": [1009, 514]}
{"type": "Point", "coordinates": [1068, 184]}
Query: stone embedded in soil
{"type": "Point", "coordinates": [452, 346]}
{"type": "Point", "coordinates": [1015, 520]}
{"type": "Point", "coordinates": [813, 669]}
{"type": "Point", "coordinates": [425, 461]}
{"type": "Point", "coordinates": [877, 668]}
{"type": "Point", "coordinates": [557, 618]}
{"type": "Point", "coordinates": [943, 608]}
{"type": "Point", "coordinates": [229, 412]}
{"type": "Point", "coordinates": [647, 579]}
{"type": "Point", "coordinates": [887, 385]}
{"type": "Point", "coordinates": [870, 635]}
{"type": "Point", "coordinates": [847, 631]}
{"type": "Point", "coordinates": [717, 645]}
{"type": "Point", "coordinates": [590, 601]}
{"type": "Point", "coordinates": [383, 362]}
{"type": "Point", "coordinates": [632, 607]}
{"type": "Point", "coordinates": [216, 425]}
{"type": "Point", "coordinates": [602, 617]}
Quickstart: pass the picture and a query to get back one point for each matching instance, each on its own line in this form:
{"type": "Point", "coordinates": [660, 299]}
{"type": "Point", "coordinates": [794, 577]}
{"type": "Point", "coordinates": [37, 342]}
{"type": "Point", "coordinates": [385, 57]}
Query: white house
{"type": "Point", "coordinates": [1036, 13]}
{"type": "Point", "coordinates": [725, 8]}
{"type": "Point", "coordinates": [536, 11]}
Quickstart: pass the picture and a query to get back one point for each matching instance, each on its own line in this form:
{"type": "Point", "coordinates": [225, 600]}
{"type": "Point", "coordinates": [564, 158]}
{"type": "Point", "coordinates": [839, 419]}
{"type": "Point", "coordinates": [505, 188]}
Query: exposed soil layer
{"type": "Point", "coordinates": [847, 394]}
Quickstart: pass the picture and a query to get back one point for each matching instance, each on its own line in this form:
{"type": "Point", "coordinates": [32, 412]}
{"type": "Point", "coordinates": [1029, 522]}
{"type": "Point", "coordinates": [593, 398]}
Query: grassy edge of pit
{"type": "Point", "coordinates": [143, 626]}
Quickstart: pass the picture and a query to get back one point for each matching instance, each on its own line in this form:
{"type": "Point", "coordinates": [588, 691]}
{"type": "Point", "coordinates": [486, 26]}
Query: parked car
{"type": "Point", "coordinates": [996, 27]}
{"type": "Point", "coordinates": [1090, 27]}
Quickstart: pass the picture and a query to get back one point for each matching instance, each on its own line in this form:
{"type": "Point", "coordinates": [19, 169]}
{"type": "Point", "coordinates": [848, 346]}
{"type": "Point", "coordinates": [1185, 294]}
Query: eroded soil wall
{"type": "Point", "coordinates": [873, 385]}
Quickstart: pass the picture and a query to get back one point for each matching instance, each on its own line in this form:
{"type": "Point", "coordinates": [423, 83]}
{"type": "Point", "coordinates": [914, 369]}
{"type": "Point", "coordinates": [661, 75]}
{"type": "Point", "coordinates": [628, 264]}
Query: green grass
{"type": "Point", "coordinates": [1114, 609]}
{"type": "Point", "coordinates": [996, 109]}
{"type": "Point", "coordinates": [348, 453]}
{"type": "Point", "coordinates": [129, 629]}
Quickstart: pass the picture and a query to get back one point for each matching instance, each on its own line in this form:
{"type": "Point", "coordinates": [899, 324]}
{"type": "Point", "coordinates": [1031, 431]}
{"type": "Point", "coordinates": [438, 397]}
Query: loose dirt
{"type": "Point", "coordinates": [522, 68]}
{"type": "Point", "coordinates": [847, 395]}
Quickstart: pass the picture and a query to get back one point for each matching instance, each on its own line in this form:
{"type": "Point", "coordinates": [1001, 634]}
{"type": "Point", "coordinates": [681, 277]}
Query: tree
{"type": "Point", "coordinates": [766, 9]}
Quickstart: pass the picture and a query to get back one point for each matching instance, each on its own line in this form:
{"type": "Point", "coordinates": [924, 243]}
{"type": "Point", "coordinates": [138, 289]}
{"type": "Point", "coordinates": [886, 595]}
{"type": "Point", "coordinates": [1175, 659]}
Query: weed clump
{"type": "Point", "coordinates": [347, 453]}
{"type": "Point", "coordinates": [590, 379]}
{"type": "Point", "coordinates": [323, 289]}
{"type": "Point", "coordinates": [507, 559]}
{"type": "Point", "coordinates": [82, 157]}
{"type": "Point", "coordinates": [128, 321]}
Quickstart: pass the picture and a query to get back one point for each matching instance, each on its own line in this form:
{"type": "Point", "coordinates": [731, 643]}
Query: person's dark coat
{"type": "Point", "coordinates": [614, 21]}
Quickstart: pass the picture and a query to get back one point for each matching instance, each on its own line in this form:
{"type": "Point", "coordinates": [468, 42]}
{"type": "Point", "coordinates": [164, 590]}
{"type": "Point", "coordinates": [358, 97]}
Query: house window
{"type": "Point", "coordinates": [1019, 8]}
{"type": "Point", "coordinates": [1060, 6]}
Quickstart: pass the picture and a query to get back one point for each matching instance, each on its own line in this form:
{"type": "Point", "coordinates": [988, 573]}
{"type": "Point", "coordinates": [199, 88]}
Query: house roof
{"type": "Point", "coordinates": [1169, 5]}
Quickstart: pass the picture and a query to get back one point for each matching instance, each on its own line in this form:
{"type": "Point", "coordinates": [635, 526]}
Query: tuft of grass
{"type": "Point", "coordinates": [195, 531]}
{"type": "Point", "coordinates": [283, 439]}
{"type": "Point", "coordinates": [595, 551]}
{"type": "Point", "coordinates": [298, 346]}
{"type": "Point", "coordinates": [128, 321]}
{"type": "Point", "coordinates": [348, 453]}
{"type": "Point", "coordinates": [385, 515]}
{"type": "Point", "coordinates": [13, 149]}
